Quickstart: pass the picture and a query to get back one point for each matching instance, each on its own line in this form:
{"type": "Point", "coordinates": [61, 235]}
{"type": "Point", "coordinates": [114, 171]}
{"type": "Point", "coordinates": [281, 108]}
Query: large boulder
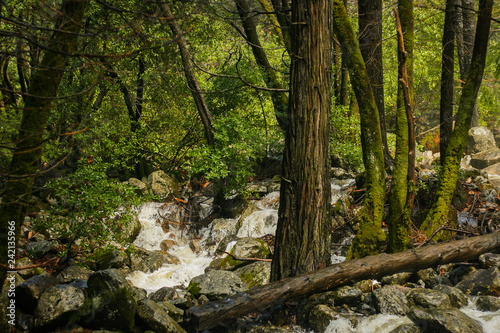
{"type": "Point", "coordinates": [429, 298]}
{"type": "Point", "coordinates": [485, 158]}
{"type": "Point", "coordinates": [482, 282]}
{"type": "Point", "coordinates": [162, 185]}
{"type": "Point", "coordinates": [156, 318]}
{"type": "Point", "coordinates": [28, 292]}
{"type": "Point", "coordinates": [479, 139]}
{"type": "Point", "coordinates": [62, 305]}
{"type": "Point", "coordinates": [112, 298]}
{"type": "Point", "coordinates": [245, 248]}
{"type": "Point", "coordinates": [444, 320]}
{"type": "Point", "coordinates": [149, 261]}
{"type": "Point", "coordinates": [216, 285]}
{"type": "Point", "coordinates": [255, 274]}
{"type": "Point", "coordinates": [391, 300]}
{"type": "Point", "coordinates": [72, 273]}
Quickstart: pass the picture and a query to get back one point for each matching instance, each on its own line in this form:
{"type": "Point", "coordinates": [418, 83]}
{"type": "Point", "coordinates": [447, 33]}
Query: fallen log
{"type": "Point", "coordinates": [258, 299]}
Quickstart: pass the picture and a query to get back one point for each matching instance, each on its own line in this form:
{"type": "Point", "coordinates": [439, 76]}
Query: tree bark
{"type": "Point", "coordinates": [398, 221]}
{"type": "Point", "coordinates": [304, 224]}
{"type": "Point", "coordinates": [370, 234]}
{"type": "Point", "coordinates": [192, 81]}
{"type": "Point", "coordinates": [279, 99]}
{"type": "Point", "coordinates": [370, 44]}
{"type": "Point", "coordinates": [259, 299]}
{"type": "Point", "coordinates": [42, 90]}
{"type": "Point", "coordinates": [449, 173]}
{"type": "Point", "coordinates": [447, 76]}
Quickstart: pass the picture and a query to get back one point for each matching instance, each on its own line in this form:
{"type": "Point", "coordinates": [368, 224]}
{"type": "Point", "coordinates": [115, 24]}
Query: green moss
{"type": "Point", "coordinates": [194, 289]}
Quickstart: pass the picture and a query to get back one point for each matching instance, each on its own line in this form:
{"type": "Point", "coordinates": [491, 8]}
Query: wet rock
{"type": "Point", "coordinates": [348, 295]}
{"type": "Point", "coordinates": [459, 272]}
{"type": "Point", "coordinates": [113, 303]}
{"type": "Point", "coordinates": [429, 299]}
{"type": "Point", "coordinates": [255, 274]}
{"type": "Point", "coordinates": [173, 311]}
{"type": "Point", "coordinates": [444, 320]}
{"type": "Point", "coordinates": [367, 286]}
{"type": "Point", "coordinates": [111, 258]}
{"type": "Point", "coordinates": [150, 261]}
{"type": "Point", "coordinates": [398, 278]}
{"type": "Point", "coordinates": [479, 139]}
{"type": "Point", "coordinates": [162, 185]}
{"type": "Point", "coordinates": [320, 317]}
{"type": "Point", "coordinates": [245, 248]}
{"type": "Point", "coordinates": [131, 226]}
{"type": "Point", "coordinates": [220, 229]}
{"type": "Point", "coordinates": [61, 305]}
{"type": "Point", "coordinates": [482, 282]}
{"type": "Point", "coordinates": [27, 273]}
{"type": "Point", "coordinates": [39, 249]}
{"type": "Point", "coordinates": [164, 294]}
{"type": "Point", "coordinates": [457, 297]}
{"type": "Point", "coordinates": [391, 300]}
{"type": "Point", "coordinates": [489, 260]}
{"type": "Point", "coordinates": [268, 329]}
{"type": "Point", "coordinates": [406, 328]}
{"type": "Point", "coordinates": [139, 294]}
{"type": "Point", "coordinates": [259, 224]}
{"type": "Point", "coordinates": [485, 159]}
{"type": "Point", "coordinates": [156, 318]}
{"type": "Point", "coordinates": [488, 303]}
{"type": "Point", "coordinates": [216, 285]}
{"type": "Point", "coordinates": [167, 244]}
{"type": "Point", "coordinates": [72, 273]}
{"type": "Point", "coordinates": [28, 292]}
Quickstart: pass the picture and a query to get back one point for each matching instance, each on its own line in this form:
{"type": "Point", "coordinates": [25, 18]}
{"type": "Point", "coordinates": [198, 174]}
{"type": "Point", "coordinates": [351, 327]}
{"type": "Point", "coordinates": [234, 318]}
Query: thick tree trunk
{"type": "Point", "coordinates": [370, 234]}
{"type": "Point", "coordinates": [259, 299]}
{"type": "Point", "coordinates": [447, 75]}
{"type": "Point", "coordinates": [399, 227]}
{"type": "Point", "coordinates": [304, 224]}
{"type": "Point", "coordinates": [280, 99]}
{"type": "Point", "coordinates": [43, 88]}
{"type": "Point", "coordinates": [370, 44]}
{"type": "Point", "coordinates": [192, 81]}
{"type": "Point", "coordinates": [449, 174]}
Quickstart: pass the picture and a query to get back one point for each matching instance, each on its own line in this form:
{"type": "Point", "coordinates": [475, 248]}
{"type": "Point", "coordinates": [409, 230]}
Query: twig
{"type": "Point", "coordinates": [433, 234]}
{"type": "Point", "coordinates": [245, 259]}
{"type": "Point", "coordinates": [47, 263]}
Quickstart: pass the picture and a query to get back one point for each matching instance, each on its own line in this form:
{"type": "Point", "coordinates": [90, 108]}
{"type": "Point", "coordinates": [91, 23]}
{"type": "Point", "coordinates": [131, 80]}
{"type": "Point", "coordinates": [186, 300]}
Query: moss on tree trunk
{"type": "Point", "coordinates": [43, 88]}
{"type": "Point", "coordinates": [370, 235]}
{"type": "Point", "coordinates": [449, 173]}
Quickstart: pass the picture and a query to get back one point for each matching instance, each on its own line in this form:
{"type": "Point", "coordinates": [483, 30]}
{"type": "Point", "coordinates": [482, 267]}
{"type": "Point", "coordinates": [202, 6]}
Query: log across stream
{"type": "Point", "coordinates": [258, 299]}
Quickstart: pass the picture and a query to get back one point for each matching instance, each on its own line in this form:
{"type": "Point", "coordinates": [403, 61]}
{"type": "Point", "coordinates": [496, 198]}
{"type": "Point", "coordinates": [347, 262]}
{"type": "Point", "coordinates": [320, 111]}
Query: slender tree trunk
{"type": "Point", "coordinates": [43, 88]}
{"type": "Point", "coordinates": [447, 75]}
{"type": "Point", "coordinates": [449, 174]}
{"type": "Point", "coordinates": [399, 228]}
{"type": "Point", "coordinates": [281, 32]}
{"type": "Point", "coordinates": [304, 224]}
{"type": "Point", "coordinates": [192, 81]}
{"type": "Point", "coordinates": [282, 9]}
{"type": "Point", "coordinates": [370, 43]}
{"type": "Point", "coordinates": [280, 100]}
{"type": "Point", "coordinates": [370, 234]}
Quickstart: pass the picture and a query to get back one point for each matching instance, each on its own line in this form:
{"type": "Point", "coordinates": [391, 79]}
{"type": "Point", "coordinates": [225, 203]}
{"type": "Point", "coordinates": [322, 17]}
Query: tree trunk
{"type": "Point", "coordinates": [447, 63]}
{"type": "Point", "coordinates": [370, 235]}
{"type": "Point", "coordinates": [399, 227]}
{"type": "Point", "coordinates": [258, 299]}
{"type": "Point", "coordinates": [279, 99]}
{"type": "Point", "coordinates": [43, 88]}
{"type": "Point", "coordinates": [192, 81]}
{"type": "Point", "coordinates": [370, 44]}
{"type": "Point", "coordinates": [304, 224]}
{"type": "Point", "coordinates": [449, 174]}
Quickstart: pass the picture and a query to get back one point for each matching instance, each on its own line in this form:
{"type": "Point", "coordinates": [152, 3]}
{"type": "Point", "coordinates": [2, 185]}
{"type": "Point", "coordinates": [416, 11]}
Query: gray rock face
{"type": "Point", "coordinates": [444, 320]}
{"type": "Point", "coordinates": [245, 248]}
{"type": "Point", "coordinates": [390, 300]}
{"type": "Point", "coordinates": [39, 249]}
{"type": "Point", "coordinates": [479, 139]}
{"type": "Point", "coordinates": [429, 299]}
{"type": "Point", "coordinates": [113, 304]}
{"type": "Point", "coordinates": [61, 304]}
{"type": "Point", "coordinates": [481, 282]}
{"type": "Point", "coordinates": [28, 292]}
{"type": "Point", "coordinates": [140, 187]}
{"type": "Point", "coordinates": [320, 317]}
{"type": "Point", "coordinates": [490, 260]}
{"type": "Point", "coordinates": [216, 284]}
{"type": "Point", "coordinates": [398, 278]}
{"type": "Point", "coordinates": [457, 297]}
{"type": "Point", "coordinates": [488, 303]}
{"type": "Point", "coordinates": [255, 274]}
{"type": "Point", "coordinates": [485, 158]}
{"type": "Point", "coordinates": [156, 318]}
{"type": "Point", "coordinates": [164, 294]}
{"type": "Point", "coordinates": [150, 261]}
{"type": "Point", "coordinates": [162, 185]}
{"type": "Point", "coordinates": [348, 295]}
{"type": "Point", "coordinates": [406, 328]}
{"type": "Point", "coordinates": [72, 273]}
